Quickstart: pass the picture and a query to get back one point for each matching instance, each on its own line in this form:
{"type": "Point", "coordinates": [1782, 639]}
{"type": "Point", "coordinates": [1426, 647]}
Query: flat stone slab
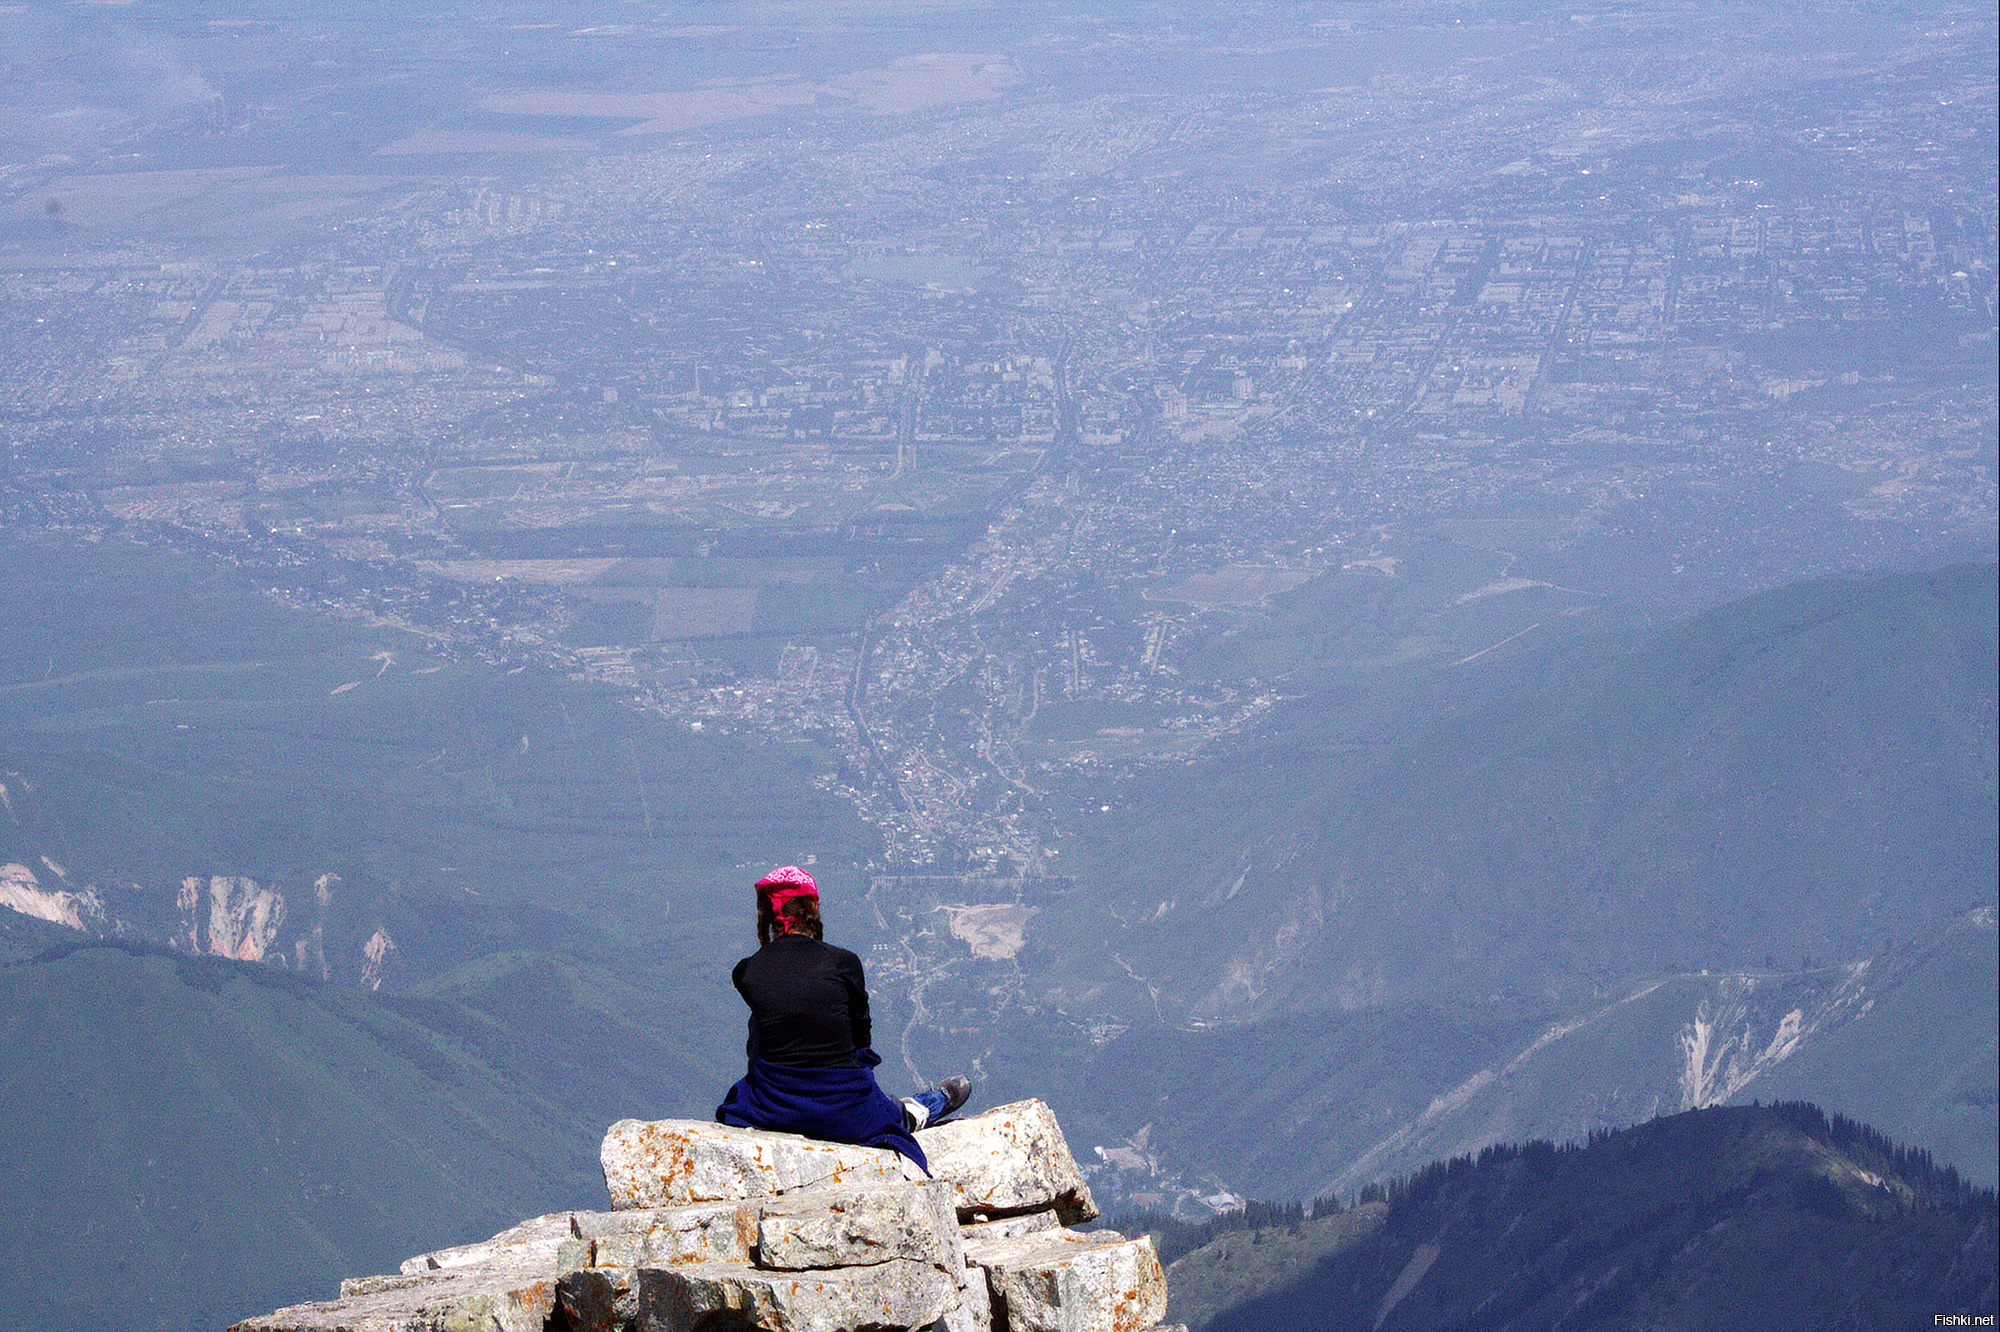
{"type": "Point", "coordinates": [723, 1232]}
{"type": "Point", "coordinates": [496, 1297]}
{"type": "Point", "coordinates": [1012, 1158]}
{"type": "Point", "coordinates": [676, 1162]}
{"type": "Point", "coordinates": [1009, 1227]}
{"type": "Point", "coordinates": [826, 1225]}
{"type": "Point", "coordinates": [1073, 1281]}
{"type": "Point", "coordinates": [898, 1293]}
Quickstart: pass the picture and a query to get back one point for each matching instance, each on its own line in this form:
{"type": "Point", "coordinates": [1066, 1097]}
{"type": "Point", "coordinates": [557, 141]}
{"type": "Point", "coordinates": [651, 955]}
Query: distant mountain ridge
{"type": "Point", "coordinates": [216, 915]}
{"type": "Point", "coordinates": [1736, 1031]}
{"type": "Point", "coordinates": [1344, 928]}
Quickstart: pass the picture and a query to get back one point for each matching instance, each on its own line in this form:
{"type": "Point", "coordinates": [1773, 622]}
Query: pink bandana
{"type": "Point", "coordinates": [781, 886]}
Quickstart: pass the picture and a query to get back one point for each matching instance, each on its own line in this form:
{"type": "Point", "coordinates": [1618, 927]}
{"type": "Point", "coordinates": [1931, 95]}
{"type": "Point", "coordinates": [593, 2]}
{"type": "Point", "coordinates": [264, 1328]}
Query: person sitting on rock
{"type": "Point", "coordinates": [812, 1070]}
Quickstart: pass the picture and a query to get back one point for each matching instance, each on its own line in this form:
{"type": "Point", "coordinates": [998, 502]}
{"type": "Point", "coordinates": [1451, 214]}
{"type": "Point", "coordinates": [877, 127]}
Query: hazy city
{"type": "Point", "coordinates": [996, 414]}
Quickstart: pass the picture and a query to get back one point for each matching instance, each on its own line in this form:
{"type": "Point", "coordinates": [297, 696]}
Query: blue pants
{"type": "Point", "coordinates": [834, 1104]}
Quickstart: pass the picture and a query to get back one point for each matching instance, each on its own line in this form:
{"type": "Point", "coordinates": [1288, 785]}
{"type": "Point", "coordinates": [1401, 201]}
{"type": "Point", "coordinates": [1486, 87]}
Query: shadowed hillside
{"type": "Point", "coordinates": [1733, 1218]}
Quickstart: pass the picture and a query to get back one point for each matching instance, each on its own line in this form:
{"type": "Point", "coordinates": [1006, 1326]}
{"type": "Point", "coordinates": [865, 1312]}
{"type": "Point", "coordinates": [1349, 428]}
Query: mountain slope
{"type": "Point", "coordinates": [1278, 903]}
{"type": "Point", "coordinates": [1905, 1038]}
{"type": "Point", "coordinates": [1807, 772]}
{"type": "Point", "coordinates": [1920, 1062]}
{"type": "Point", "coordinates": [1728, 1218]}
{"type": "Point", "coordinates": [1302, 1104]}
{"type": "Point", "coordinates": [160, 721]}
{"type": "Point", "coordinates": [203, 1139]}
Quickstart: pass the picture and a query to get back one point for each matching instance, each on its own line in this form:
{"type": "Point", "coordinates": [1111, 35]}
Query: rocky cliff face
{"type": "Point", "coordinates": [220, 915]}
{"type": "Point", "coordinates": [22, 890]}
{"type": "Point", "coordinates": [713, 1227]}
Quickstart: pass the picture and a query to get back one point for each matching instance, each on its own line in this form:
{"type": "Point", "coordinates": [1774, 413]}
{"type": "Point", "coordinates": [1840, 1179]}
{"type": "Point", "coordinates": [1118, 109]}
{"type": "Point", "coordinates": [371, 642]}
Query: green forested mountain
{"type": "Point", "coordinates": [1731, 1218]}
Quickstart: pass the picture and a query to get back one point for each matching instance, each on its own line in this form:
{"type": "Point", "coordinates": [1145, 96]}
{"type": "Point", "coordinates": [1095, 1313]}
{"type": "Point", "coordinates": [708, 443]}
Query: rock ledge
{"type": "Point", "coordinates": [713, 1226]}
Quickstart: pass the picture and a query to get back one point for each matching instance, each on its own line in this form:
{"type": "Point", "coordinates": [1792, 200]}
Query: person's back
{"type": "Point", "coordinates": [808, 1003]}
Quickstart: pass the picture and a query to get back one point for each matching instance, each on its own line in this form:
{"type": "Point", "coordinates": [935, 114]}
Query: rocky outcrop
{"type": "Point", "coordinates": [714, 1227]}
{"type": "Point", "coordinates": [21, 890]}
{"type": "Point", "coordinates": [220, 915]}
{"type": "Point", "coordinates": [1070, 1281]}
{"type": "Point", "coordinates": [239, 916]}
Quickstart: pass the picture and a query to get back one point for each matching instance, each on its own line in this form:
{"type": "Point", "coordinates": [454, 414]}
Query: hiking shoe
{"type": "Point", "coordinates": [956, 1088]}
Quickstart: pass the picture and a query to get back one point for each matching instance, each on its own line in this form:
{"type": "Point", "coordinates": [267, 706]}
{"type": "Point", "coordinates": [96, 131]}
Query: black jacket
{"type": "Point", "coordinates": [808, 1003]}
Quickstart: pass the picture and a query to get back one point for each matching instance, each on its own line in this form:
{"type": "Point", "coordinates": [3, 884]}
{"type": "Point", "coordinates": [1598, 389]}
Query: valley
{"type": "Point", "coordinates": [1110, 1029]}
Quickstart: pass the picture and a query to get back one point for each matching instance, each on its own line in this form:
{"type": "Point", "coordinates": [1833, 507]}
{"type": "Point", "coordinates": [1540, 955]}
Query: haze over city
{"type": "Point", "coordinates": [1235, 539]}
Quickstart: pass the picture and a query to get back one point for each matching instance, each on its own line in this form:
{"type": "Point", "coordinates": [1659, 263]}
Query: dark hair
{"type": "Point", "coordinates": [803, 912]}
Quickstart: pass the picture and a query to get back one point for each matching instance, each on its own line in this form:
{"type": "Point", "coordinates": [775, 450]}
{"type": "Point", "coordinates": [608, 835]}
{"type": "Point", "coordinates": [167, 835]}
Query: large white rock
{"type": "Point", "coordinates": [675, 1162]}
{"type": "Point", "coordinates": [1071, 1281]}
{"type": "Point", "coordinates": [898, 1293]}
{"type": "Point", "coordinates": [858, 1229]}
{"type": "Point", "coordinates": [370, 1285]}
{"type": "Point", "coordinates": [1010, 1159]}
{"type": "Point", "coordinates": [971, 1311]}
{"type": "Point", "coordinates": [501, 1296]}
